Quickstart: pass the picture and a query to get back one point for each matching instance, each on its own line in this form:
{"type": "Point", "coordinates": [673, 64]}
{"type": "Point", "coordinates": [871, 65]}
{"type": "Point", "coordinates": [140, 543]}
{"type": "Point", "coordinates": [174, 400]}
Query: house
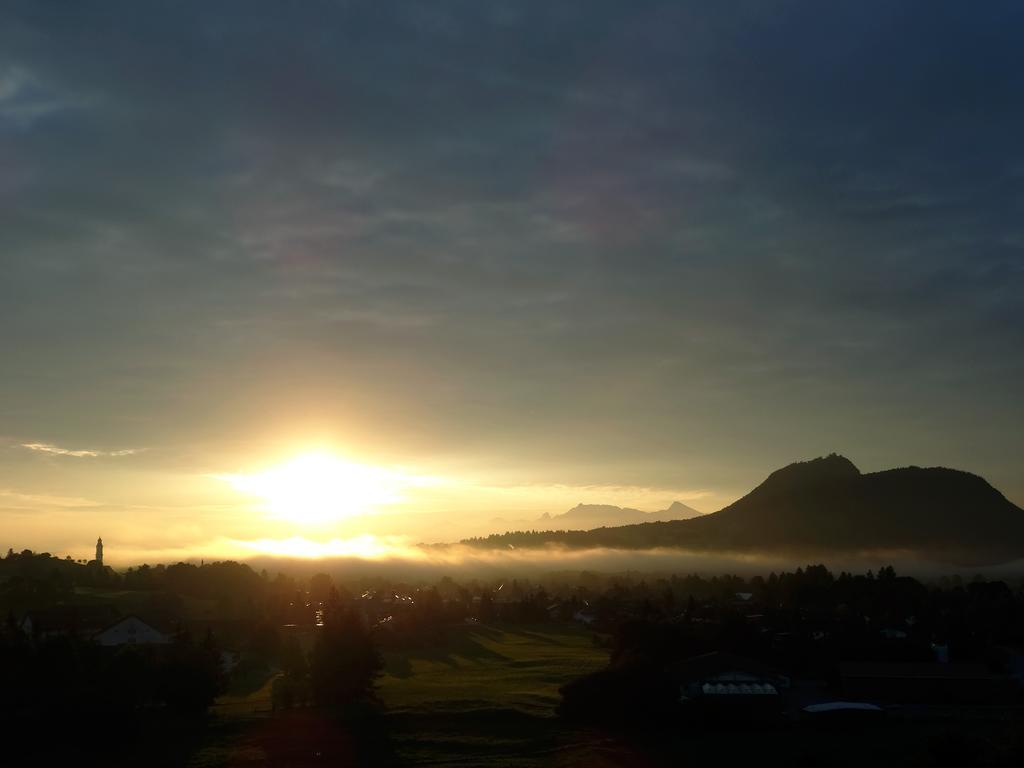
{"type": "Point", "coordinates": [585, 616]}
{"type": "Point", "coordinates": [731, 684]}
{"type": "Point", "coordinates": [855, 714]}
{"type": "Point", "coordinates": [229, 660]}
{"type": "Point", "coordinates": [892, 634]}
{"type": "Point", "coordinates": [61, 620]}
{"type": "Point", "coordinates": [1012, 658]}
{"type": "Point", "coordinates": [131, 630]}
{"type": "Point", "coordinates": [744, 600]}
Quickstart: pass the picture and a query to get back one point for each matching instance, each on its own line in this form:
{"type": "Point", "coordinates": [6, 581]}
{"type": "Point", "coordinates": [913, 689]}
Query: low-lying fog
{"type": "Point", "coordinates": [432, 563]}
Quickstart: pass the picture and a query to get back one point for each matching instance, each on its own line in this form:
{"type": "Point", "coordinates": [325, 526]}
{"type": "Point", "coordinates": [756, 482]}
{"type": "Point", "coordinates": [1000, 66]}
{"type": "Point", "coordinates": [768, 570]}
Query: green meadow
{"type": "Point", "coordinates": [479, 695]}
{"type": "Point", "coordinates": [487, 695]}
{"type": "Point", "coordinates": [485, 667]}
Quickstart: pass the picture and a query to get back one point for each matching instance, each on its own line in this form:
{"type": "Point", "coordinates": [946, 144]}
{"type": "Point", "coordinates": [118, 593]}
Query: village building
{"type": "Point", "coordinates": [724, 683]}
{"type": "Point", "coordinates": [131, 630]}
{"type": "Point", "coordinates": [66, 620]}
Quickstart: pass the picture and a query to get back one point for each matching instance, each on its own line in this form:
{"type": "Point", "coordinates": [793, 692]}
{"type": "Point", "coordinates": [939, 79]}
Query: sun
{"type": "Point", "coordinates": [320, 488]}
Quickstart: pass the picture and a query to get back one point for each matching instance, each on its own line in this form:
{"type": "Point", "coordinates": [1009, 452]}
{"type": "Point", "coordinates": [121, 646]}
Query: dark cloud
{"type": "Point", "coordinates": [677, 242]}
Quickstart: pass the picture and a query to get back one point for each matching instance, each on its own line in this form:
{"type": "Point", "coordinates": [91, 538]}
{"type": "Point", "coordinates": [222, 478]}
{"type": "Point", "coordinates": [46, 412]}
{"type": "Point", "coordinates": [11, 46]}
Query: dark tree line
{"type": "Point", "coordinates": [339, 672]}
{"type": "Point", "coordinates": [67, 699]}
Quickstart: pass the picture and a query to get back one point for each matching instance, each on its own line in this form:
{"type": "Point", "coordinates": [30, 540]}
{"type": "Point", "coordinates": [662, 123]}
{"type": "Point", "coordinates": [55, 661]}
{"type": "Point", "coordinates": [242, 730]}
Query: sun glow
{"type": "Point", "coordinates": [319, 488]}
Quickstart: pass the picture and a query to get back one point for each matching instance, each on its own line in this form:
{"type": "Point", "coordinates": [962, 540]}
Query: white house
{"type": "Point", "coordinates": [585, 616]}
{"type": "Point", "coordinates": [131, 630]}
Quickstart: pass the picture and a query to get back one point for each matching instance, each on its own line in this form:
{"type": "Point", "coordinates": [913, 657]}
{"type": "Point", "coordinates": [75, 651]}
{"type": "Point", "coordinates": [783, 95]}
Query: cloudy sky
{"type": "Point", "coordinates": [541, 252]}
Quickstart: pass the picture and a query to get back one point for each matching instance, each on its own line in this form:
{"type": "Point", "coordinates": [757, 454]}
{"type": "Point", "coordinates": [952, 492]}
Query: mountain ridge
{"type": "Point", "coordinates": [601, 514]}
{"type": "Point", "coordinates": [826, 505]}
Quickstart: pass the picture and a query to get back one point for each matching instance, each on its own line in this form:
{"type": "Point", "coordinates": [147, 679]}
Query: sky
{"type": "Point", "coordinates": [514, 255]}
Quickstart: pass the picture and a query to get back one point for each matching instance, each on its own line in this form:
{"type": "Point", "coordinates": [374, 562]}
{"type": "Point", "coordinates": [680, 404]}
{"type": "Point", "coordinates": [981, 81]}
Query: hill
{"type": "Point", "coordinates": [828, 506]}
{"type": "Point", "coordinates": [602, 515]}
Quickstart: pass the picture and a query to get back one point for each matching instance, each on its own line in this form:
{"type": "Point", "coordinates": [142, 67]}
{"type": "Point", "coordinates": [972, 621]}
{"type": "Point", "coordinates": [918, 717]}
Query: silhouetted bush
{"type": "Point", "coordinates": [624, 695]}
{"type": "Point", "coordinates": [344, 663]}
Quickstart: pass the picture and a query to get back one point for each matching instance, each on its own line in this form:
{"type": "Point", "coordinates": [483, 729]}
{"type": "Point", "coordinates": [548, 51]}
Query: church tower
{"type": "Point", "coordinates": [99, 552]}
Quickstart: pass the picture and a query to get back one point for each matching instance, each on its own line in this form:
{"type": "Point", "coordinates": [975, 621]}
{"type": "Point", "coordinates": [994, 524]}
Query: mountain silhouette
{"type": "Point", "coordinates": [598, 515]}
{"type": "Point", "coordinates": [589, 516]}
{"type": "Point", "coordinates": [828, 506]}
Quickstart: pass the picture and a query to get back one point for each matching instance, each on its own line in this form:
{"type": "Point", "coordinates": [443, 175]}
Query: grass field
{"type": "Point", "coordinates": [487, 696]}
{"type": "Point", "coordinates": [485, 667]}
{"type": "Point", "coordinates": [481, 695]}
{"type": "Point", "coordinates": [247, 695]}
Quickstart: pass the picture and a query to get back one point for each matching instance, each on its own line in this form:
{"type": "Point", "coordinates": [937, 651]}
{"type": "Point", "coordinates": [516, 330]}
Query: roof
{"type": "Point", "coordinates": [718, 663]}
{"type": "Point", "coordinates": [742, 689]}
{"type": "Point", "coordinates": [842, 706]}
{"type": "Point", "coordinates": [68, 618]}
{"type": "Point", "coordinates": [121, 619]}
{"type": "Point", "coordinates": [914, 671]}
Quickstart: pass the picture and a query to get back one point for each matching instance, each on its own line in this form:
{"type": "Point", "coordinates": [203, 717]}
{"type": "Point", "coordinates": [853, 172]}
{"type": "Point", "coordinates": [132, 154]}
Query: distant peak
{"type": "Point", "coordinates": [678, 510]}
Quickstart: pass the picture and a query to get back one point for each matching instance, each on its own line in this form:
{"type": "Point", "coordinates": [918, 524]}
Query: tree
{"type": "Point", "coordinates": [320, 586]}
{"type": "Point", "coordinates": [190, 675]}
{"type": "Point", "coordinates": [344, 663]}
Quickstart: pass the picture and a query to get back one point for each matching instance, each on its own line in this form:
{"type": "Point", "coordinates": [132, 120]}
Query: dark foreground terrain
{"type": "Point", "coordinates": [216, 665]}
{"type": "Point", "coordinates": [489, 697]}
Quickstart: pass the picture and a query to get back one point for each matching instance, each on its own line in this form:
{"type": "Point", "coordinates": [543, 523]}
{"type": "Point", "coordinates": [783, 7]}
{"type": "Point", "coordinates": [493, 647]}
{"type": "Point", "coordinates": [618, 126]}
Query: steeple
{"type": "Point", "coordinates": [99, 552]}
